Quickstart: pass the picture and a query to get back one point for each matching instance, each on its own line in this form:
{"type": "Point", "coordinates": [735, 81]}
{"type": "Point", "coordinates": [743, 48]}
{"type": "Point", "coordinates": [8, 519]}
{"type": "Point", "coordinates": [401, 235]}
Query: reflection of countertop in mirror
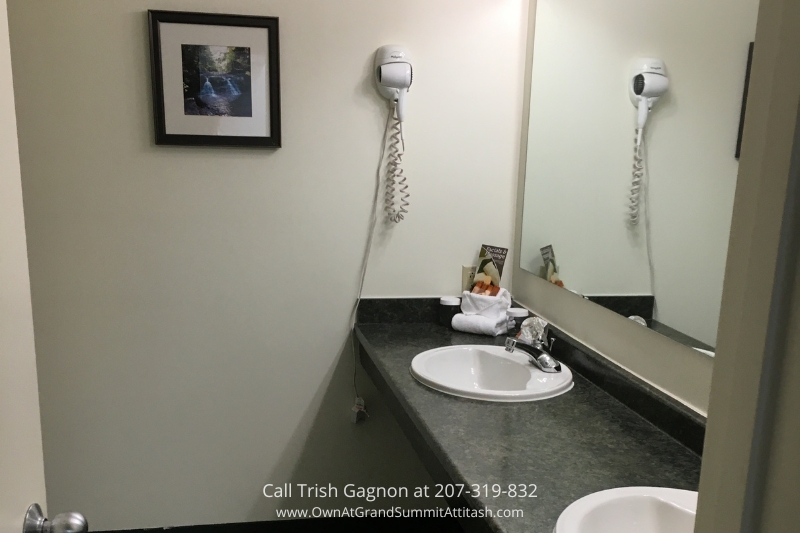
{"type": "Point", "coordinates": [569, 446]}
{"type": "Point", "coordinates": [642, 305]}
{"type": "Point", "coordinates": [677, 336]}
{"type": "Point", "coordinates": [638, 305]}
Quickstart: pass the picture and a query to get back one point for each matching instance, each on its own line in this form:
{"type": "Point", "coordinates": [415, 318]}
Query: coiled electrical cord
{"type": "Point", "coordinates": [391, 123]}
{"type": "Point", "coordinates": [395, 179]}
{"type": "Point", "coordinates": [636, 182]}
{"type": "Point", "coordinates": [640, 187]}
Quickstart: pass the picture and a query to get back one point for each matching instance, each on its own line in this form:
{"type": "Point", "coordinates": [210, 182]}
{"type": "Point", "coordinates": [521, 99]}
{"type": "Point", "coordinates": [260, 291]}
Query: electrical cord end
{"type": "Point", "coordinates": [359, 411]}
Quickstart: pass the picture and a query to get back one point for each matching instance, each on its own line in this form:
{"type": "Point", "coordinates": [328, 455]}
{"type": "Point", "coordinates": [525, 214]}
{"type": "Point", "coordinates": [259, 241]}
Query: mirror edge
{"type": "Point", "coordinates": [677, 370]}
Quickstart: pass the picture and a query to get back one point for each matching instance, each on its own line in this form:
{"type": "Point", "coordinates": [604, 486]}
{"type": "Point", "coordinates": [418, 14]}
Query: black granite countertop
{"type": "Point", "coordinates": [575, 444]}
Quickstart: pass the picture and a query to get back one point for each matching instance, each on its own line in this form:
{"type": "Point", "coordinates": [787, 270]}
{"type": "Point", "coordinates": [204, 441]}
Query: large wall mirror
{"type": "Point", "coordinates": [669, 267]}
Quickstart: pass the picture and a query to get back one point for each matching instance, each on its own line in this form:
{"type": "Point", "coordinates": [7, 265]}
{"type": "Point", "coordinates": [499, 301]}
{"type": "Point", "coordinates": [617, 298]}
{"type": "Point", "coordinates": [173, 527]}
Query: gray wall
{"type": "Point", "coordinates": [191, 304]}
{"type": "Point", "coordinates": [752, 326]}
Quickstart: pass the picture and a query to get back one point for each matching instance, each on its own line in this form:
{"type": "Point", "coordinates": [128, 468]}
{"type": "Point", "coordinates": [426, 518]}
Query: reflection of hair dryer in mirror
{"type": "Point", "coordinates": [648, 83]}
{"type": "Point", "coordinates": [393, 75]}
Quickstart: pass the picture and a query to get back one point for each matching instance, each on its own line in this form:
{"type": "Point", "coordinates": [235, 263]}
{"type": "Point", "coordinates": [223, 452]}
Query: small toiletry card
{"type": "Point", "coordinates": [490, 270]}
{"type": "Point", "coordinates": [550, 268]}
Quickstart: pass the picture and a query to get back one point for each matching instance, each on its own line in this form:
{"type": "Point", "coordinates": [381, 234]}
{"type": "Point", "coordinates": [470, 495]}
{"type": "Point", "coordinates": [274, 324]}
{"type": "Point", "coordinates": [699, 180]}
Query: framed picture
{"type": "Point", "coordinates": [215, 79]}
{"type": "Point", "coordinates": [744, 101]}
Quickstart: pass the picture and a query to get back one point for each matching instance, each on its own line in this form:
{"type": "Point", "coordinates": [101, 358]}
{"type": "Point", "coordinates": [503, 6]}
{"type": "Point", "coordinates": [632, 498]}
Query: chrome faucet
{"type": "Point", "coordinates": [533, 343]}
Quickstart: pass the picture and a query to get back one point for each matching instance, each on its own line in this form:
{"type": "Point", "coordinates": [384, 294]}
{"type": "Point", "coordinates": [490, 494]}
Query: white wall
{"type": "Point", "coordinates": [581, 141]}
{"type": "Point", "coordinates": [21, 467]}
{"type": "Point", "coordinates": [191, 304]}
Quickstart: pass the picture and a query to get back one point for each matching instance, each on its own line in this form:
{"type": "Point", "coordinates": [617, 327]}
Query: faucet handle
{"type": "Point", "coordinates": [536, 354]}
{"type": "Point", "coordinates": [535, 329]}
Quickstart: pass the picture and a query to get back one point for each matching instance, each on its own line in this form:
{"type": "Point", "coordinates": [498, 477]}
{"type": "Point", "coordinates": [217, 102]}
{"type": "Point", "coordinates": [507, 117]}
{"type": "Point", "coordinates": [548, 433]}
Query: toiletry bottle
{"type": "Point", "coordinates": [516, 315]}
{"type": "Point", "coordinates": [449, 306]}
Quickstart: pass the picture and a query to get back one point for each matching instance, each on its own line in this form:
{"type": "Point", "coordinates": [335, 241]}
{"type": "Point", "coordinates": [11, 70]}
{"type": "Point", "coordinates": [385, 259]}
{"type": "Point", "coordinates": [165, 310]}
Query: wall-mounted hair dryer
{"type": "Point", "coordinates": [394, 75]}
{"type": "Point", "coordinates": [647, 84]}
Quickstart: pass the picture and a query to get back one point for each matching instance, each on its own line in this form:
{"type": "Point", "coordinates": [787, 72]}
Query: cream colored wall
{"type": "Point", "coordinates": [580, 149]}
{"type": "Point", "coordinates": [191, 304]}
{"type": "Point", "coordinates": [21, 467]}
{"type": "Point", "coordinates": [677, 370]}
{"type": "Point", "coordinates": [770, 129]}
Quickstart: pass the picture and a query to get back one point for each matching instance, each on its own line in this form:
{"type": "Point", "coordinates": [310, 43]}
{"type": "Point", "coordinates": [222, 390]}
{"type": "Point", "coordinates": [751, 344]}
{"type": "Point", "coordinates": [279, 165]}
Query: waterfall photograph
{"type": "Point", "coordinates": [216, 80]}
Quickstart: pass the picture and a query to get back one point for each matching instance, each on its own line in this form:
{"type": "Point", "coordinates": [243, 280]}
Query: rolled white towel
{"type": "Point", "coordinates": [479, 325]}
{"type": "Point", "coordinates": [493, 307]}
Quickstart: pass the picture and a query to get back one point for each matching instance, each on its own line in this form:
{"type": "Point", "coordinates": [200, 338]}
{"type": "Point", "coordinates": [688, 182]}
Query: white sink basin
{"type": "Point", "coordinates": [487, 373]}
{"type": "Point", "coordinates": [631, 510]}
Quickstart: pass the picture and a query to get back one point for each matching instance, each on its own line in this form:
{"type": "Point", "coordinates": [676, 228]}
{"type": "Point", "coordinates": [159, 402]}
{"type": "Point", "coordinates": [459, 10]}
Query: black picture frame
{"type": "Point", "coordinates": [273, 70]}
{"type": "Point", "coordinates": [744, 101]}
